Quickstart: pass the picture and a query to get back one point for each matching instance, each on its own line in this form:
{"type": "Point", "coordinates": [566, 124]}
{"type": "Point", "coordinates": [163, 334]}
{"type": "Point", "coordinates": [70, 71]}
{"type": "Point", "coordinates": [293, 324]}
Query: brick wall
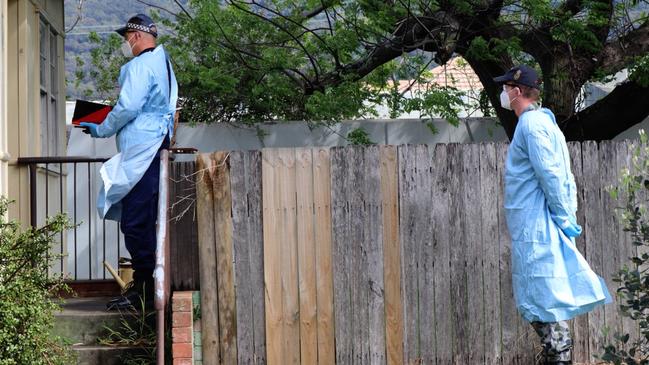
{"type": "Point", "coordinates": [182, 329]}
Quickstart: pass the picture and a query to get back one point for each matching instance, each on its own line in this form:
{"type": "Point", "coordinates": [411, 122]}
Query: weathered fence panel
{"type": "Point", "coordinates": [383, 255]}
{"type": "Point", "coordinates": [183, 227]}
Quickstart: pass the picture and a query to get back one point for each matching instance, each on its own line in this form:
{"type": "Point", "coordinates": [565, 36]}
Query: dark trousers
{"type": "Point", "coordinates": [139, 215]}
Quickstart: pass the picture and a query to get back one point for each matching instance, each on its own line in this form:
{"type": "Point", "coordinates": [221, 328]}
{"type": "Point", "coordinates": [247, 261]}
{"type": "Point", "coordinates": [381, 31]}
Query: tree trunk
{"type": "Point", "coordinates": [561, 86]}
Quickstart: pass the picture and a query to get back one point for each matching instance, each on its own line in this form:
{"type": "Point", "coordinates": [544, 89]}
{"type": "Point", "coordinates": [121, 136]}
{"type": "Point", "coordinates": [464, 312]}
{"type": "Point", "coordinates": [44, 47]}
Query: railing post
{"type": "Point", "coordinates": [161, 275]}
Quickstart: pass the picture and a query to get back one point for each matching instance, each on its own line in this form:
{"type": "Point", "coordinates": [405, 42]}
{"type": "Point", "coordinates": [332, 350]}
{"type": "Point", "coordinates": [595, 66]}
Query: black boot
{"type": "Point", "coordinates": [137, 295]}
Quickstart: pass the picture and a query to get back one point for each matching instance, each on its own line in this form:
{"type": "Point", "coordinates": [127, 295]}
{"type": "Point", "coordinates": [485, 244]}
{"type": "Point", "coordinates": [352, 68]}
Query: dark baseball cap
{"type": "Point", "coordinates": [139, 22]}
{"type": "Point", "coordinates": [521, 75]}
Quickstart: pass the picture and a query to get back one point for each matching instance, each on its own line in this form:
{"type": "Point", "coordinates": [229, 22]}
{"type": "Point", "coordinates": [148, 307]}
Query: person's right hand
{"type": "Point", "coordinates": [90, 128]}
{"type": "Point", "coordinates": [572, 230]}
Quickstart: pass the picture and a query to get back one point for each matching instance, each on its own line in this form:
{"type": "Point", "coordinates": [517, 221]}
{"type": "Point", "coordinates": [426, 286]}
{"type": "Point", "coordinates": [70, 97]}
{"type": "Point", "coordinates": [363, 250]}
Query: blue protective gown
{"type": "Point", "coordinates": [551, 280]}
{"type": "Point", "coordinates": [142, 117]}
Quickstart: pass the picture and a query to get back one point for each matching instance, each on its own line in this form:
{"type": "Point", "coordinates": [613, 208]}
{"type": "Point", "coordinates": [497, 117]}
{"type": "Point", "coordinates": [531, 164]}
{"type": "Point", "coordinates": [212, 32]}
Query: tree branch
{"type": "Point", "coordinates": [623, 108]}
{"type": "Point", "coordinates": [324, 5]}
{"type": "Point", "coordinates": [312, 60]}
{"type": "Point", "coordinates": [183, 9]}
{"type": "Point", "coordinates": [79, 17]}
{"type": "Point", "coordinates": [571, 6]}
{"type": "Point", "coordinates": [305, 29]}
{"type": "Point", "coordinates": [617, 53]}
{"type": "Point", "coordinates": [157, 7]}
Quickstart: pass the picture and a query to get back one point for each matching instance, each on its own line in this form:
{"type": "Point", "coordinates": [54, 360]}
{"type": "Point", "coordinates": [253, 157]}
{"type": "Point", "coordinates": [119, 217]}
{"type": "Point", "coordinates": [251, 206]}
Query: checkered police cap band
{"type": "Point", "coordinates": [142, 28]}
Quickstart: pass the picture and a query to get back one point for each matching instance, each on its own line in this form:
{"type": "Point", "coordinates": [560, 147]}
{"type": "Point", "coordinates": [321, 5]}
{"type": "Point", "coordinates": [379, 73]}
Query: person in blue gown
{"type": "Point", "coordinates": [552, 281]}
{"type": "Point", "coordinates": [142, 121]}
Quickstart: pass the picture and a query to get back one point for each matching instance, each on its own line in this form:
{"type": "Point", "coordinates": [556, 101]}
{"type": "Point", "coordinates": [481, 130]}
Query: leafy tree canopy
{"type": "Point", "coordinates": [327, 60]}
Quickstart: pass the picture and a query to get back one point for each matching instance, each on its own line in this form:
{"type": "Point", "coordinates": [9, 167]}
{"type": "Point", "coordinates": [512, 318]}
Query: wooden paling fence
{"type": "Point", "coordinates": [382, 255]}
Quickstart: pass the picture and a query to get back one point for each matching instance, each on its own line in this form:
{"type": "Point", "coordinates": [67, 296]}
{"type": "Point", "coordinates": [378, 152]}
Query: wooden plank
{"type": "Point", "coordinates": [341, 255]}
{"type": "Point", "coordinates": [458, 256]}
{"type": "Point", "coordinates": [592, 231]}
{"type": "Point", "coordinates": [441, 181]}
{"type": "Point", "coordinates": [609, 237]}
{"type": "Point", "coordinates": [241, 251]}
{"type": "Point", "coordinates": [373, 252]}
{"type": "Point", "coordinates": [207, 256]}
{"type": "Point", "coordinates": [183, 239]}
{"type": "Point", "coordinates": [509, 313]}
{"type": "Point", "coordinates": [409, 252]}
{"type": "Point", "coordinates": [306, 254]}
{"type": "Point", "coordinates": [272, 257]}
{"type": "Point", "coordinates": [489, 204]}
{"type": "Point", "coordinates": [579, 328]}
{"type": "Point", "coordinates": [253, 161]}
{"type": "Point", "coordinates": [425, 268]}
{"type": "Point", "coordinates": [288, 249]}
{"type": "Point", "coordinates": [474, 253]}
{"type": "Point", "coordinates": [627, 248]}
{"type": "Point", "coordinates": [358, 274]}
{"type": "Point", "coordinates": [245, 180]}
{"type": "Point", "coordinates": [391, 256]}
{"type": "Point", "coordinates": [224, 257]}
{"type": "Point", "coordinates": [324, 266]}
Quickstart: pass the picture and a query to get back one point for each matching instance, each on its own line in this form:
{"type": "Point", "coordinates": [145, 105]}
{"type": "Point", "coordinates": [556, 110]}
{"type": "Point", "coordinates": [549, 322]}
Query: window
{"type": "Point", "coordinates": [49, 69]}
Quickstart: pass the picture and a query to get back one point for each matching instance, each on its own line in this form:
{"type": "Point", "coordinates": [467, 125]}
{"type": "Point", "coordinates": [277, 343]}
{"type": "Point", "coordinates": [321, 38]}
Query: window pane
{"type": "Point", "coordinates": [53, 129]}
{"type": "Point", "coordinates": [44, 124]}
{"type": "Point", "coordinates": [44, 50]}
{"type": "Point", "coordinates": [53, 64]}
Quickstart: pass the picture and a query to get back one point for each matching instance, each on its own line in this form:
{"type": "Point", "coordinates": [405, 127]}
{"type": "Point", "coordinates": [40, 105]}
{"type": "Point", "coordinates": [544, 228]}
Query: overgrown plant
{"type": "Point", "coordinates": [28, 294]}
{"type": "Point", "coordinates": [135, 329]}
{"type": "Point", "coordinates": [633, 293]}
{"type": "Point", "coordinates": [359, 137]}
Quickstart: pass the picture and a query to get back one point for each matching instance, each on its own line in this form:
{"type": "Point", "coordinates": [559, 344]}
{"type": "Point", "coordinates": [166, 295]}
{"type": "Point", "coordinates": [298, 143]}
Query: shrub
{"type": "Point", "coordinates": [28, 294]}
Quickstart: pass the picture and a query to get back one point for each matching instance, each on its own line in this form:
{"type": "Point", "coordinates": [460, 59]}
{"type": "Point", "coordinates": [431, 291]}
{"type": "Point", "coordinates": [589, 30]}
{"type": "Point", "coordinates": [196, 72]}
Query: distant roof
{"type": "Point", "coordinates": [455, 73]}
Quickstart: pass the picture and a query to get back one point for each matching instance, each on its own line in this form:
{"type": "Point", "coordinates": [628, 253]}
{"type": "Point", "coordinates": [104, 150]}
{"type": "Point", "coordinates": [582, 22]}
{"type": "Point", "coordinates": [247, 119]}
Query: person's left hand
{"type": "Point", "coordinates": [90, 128]}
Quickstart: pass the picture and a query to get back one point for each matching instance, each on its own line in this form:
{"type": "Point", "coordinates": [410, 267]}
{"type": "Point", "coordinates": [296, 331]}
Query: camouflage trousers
{"type": "Point", "coordinates": [556, 341]}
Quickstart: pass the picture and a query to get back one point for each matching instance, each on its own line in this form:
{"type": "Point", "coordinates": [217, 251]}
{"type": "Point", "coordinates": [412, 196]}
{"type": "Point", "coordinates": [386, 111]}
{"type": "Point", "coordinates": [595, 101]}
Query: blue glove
{"type": "Point", "coordinates": [572, 230]}
{"type": "Point", "coordinates": [90, 128]}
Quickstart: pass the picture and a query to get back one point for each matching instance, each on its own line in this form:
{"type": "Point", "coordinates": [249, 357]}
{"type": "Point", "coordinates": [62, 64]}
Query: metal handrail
{"type": "Point", "coordinates": [58, 159]}
{"type": "Point", "coordinates": [161, 276]}
{"type": "Point", "coordinates": [33, 162]}
{"type": "Point", "coordinates": [36, 164]}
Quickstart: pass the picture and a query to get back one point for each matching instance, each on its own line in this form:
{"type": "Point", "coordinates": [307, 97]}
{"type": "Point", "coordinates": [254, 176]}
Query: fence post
{"type": "Point", "coordinates": [207, 262]}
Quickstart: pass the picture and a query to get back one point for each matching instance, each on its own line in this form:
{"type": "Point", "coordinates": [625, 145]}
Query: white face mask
{"type": "Point", "coordinates": [504, 99]}
{"type": "Point", "coordinates": [127, 49]}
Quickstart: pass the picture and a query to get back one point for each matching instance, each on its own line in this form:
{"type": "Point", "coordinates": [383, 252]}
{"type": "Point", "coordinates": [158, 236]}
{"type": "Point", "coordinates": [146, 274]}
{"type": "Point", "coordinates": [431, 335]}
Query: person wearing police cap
{"type": "Point", "coordinates": [552, 281]}
{"type": "Point", "coordinates": [142, 121]}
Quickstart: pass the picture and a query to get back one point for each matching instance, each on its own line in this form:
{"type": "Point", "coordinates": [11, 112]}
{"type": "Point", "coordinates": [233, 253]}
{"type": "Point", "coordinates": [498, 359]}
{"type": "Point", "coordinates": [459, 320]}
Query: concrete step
{"type": "Point", "coordinates": [104, 355]}
{"type": "Point", "coordinates": [83, 320]}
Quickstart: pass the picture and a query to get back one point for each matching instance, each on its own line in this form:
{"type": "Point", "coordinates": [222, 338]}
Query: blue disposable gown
{"type": "Point", "coordinates": [142, 117]}
{"type": "Point", "coordinates": [551, 280]}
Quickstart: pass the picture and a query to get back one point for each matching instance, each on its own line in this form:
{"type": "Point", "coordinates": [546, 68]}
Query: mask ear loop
{"type": "Point", "coordinates": [519, 91]}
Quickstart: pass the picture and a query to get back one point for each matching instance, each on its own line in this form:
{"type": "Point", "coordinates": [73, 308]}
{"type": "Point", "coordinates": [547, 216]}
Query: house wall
{"type": "Point", "coordinates": [21, 120]}
{"type": "Point", "coordinates": [4, 152]}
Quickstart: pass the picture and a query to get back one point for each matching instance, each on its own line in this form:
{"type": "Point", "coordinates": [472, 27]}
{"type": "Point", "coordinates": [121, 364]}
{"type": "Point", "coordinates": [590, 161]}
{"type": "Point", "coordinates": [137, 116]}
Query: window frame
{"type": "Point", "coordinates": [49, 88]}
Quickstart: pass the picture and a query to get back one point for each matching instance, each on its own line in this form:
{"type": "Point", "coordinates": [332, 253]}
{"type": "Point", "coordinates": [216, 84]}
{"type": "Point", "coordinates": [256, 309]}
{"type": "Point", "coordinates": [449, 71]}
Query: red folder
{"type": "Point", "coordinates": [90, 112]}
